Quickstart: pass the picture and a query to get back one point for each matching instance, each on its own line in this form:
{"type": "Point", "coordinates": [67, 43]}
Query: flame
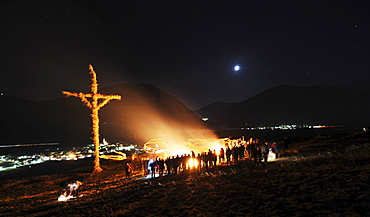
{"type": "Point", "coordinates": [217, 147]}
{"type": "Point", "coordinates": [94, 105]}
{"type": "Point", "coordinates": [193, 163]}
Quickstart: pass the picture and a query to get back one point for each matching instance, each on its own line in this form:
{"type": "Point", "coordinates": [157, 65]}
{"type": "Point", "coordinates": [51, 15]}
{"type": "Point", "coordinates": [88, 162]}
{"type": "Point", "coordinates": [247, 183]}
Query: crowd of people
{"type": "Point", "coordinates": [230, 154]}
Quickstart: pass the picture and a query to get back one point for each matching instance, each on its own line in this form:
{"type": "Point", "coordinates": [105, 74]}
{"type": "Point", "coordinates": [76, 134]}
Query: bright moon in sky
{"type": "Point", "coordinates": [236, 68]}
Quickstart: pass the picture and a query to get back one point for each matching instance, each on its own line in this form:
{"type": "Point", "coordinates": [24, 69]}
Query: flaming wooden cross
{"type": "Point", "coordinates": [97, 101]}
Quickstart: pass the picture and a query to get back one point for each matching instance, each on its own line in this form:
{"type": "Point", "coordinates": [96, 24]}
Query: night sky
{"type": "Point", "coordinates": [188, 48]}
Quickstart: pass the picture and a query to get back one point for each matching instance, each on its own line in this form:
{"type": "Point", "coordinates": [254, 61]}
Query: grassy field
{"type": "Point", "coordinates": [325, 176]}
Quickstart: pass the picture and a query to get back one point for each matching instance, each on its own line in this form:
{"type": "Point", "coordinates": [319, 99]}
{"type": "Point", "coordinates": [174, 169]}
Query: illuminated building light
{"type": "Point", "coordinates": [71, 157]}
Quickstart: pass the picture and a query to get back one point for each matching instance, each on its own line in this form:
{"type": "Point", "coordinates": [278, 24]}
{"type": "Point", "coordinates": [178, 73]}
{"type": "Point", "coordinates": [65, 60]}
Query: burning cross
{"type": "Point", "coordinates": [97, 101]}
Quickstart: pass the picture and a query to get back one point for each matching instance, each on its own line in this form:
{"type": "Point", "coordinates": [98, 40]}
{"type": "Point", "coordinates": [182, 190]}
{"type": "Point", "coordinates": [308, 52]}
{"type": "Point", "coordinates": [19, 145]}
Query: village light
{"type": "Point", "coordinates": [71, 156]}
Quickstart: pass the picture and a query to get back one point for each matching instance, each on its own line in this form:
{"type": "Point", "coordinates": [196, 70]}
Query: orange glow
{"type": "Point", "coordinates": [157, 144]}
{"type": "Point", "coordinates": [323, 126]}
{"type": "Point", "coordinates": [217, 146]}
{"type": "Point", "coordinates": [193, 163]}
{"type": "Point", "coordinates": [178, 152]}
{"type": "Point", "coordinates": [152, 116]}
{"type": "Point", "coordinates": [117, 155]}
{"type": "Point", "coordinates": [94, 105]}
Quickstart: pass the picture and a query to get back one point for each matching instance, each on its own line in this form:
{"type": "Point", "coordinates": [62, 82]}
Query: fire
{"type": "Point", "coordinates": [193, 163]}
{"type": "Point", "coordinates": [94, 105]}
{"type": "Point", "coordinates": [217, 147]}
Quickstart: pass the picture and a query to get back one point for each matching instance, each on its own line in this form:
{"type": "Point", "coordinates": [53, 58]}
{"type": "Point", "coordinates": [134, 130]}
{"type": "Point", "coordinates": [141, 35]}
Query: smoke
{"type": "Point", "coordinates": [160, 122]}
{"type": "Point", "coordinates": [154, 118]}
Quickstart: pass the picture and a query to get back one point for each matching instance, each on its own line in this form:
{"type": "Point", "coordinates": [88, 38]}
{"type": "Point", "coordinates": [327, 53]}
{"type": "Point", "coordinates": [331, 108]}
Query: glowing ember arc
{"type": "Point", "coordinates": [94, 105]}
{"type": "Point", "coordinates": [158, 145]}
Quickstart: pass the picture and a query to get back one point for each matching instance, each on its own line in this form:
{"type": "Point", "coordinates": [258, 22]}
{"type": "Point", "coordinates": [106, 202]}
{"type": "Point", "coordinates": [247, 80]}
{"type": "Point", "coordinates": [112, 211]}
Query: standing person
{"type": "Point", "coordinates": [258, 154]}
{"type": "Point", "coordinates": [152, 168]}
{"type": "Point", "coordinates": [160, 163]}
{"type": "Point", "coordinates": [274, 149]}
{"type": "Point", "coordinates": [169, 163]}
{"type": "Point", "coordinates": [214, 158]}
{"type": "Point", "coordinates": [250, 149]}
{"type": "Point", "coordinates": [199, 160]}
{"type": "Point", "coordinates": [235, 154]}
{"type": "Point", "coordinates": [210, 157]}
{"type": "Point", "coordinates": [265, 152]}
{"type": "Point", "coordinates": [145, 165]}
{"type": "Point", "coordinates": [193, 154]}
{"type": "Point", "coordinates": [255, 152]}
{"type": "Point", "coordinates": [222, 155]}
{"type": "Point", "coordinates": [228, 154]}
{"type": "Point", "coordinates": [203, 159]}
{"type": "Point", "coordinates": [128, 170]}
{"type": "Point", "coordinates": [242, 150]}
{"type": "Point", "coordinates": [176, 164]}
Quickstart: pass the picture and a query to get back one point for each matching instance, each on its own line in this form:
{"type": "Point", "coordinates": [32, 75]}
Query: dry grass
{"type": "Point", "coordinates": [327, 176]}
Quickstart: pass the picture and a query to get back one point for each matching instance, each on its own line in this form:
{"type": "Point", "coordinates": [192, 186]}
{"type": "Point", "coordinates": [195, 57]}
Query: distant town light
{"type": "Point", "coordinates": [289, 127]}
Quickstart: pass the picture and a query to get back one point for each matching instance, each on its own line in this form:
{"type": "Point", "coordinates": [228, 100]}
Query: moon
{"type": "Point", "coordinates": [236, 68]}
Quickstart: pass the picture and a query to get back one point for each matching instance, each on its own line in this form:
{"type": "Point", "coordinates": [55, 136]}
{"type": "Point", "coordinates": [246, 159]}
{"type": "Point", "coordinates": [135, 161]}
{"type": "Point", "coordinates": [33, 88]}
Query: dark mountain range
{"type": "Point", "coordinates": [214, 112]}
{"type": "Point", "coordinates": [294, 105]}
{"type": "Point", "coordinates": [145, 112]}
{"type": "Point", "coordinates": [361, 85]}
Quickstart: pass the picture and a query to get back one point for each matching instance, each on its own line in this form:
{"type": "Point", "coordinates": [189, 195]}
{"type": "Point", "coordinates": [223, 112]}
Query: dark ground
{"type": "Point", "coordinates": [326, 176]}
